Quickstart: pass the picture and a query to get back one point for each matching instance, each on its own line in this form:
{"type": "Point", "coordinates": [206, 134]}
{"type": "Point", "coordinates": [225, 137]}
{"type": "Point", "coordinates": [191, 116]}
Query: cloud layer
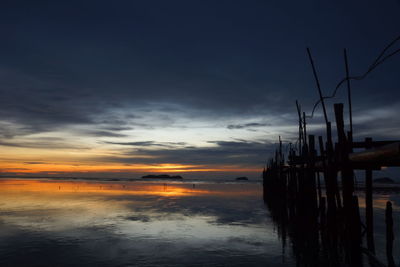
{"type": "Point", "coordinates": [184, 82]}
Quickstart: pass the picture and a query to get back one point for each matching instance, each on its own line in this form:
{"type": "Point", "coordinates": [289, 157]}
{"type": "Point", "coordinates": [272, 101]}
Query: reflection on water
{"type": "Point", "coordinates": [380, 199]}
{"type": "Point", "coordinates": [64, 223]}
{"type": "Point", "coordinates": [149, 223]}
{"type": "Point", "coordinates": [314, 244]}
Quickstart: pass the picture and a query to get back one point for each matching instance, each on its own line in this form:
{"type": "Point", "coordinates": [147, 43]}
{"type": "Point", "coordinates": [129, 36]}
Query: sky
{"type": "Point", "coordinates": [200, 88]}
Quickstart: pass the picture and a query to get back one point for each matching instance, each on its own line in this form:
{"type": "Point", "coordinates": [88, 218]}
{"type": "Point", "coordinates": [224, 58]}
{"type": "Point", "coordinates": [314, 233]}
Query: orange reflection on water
{"type": "Point", "coordinates": [379, 201]}
{"type": "Point", "coordinates": [49, 186]}
{"type": "Point", "coordinates": [120, 188]}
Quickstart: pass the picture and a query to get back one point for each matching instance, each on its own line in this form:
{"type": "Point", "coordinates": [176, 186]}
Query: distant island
{"type": "Point", "coordinates": [242, 178]}
{"type": "Point", "coordinates": [384, 180]}
{"type": "Point", "coordinates": [162, 176]}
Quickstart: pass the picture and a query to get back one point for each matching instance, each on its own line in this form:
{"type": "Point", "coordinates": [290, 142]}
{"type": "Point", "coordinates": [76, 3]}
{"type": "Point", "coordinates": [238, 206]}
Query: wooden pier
{"type": "Point", "coordinates": [328, 209]}
{"type": "Point", "coordinates": [310, 192]}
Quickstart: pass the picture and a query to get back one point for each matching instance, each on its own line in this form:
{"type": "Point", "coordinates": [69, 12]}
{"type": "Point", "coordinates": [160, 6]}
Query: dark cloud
{"type": "Point", "coordinates": [104, 134]}
{"type": "Point", "coordinates": [247, 125]}
{"type": "Point", "coordinates": [239, 153]}
{"type": "Point", "coordinates": [109, 68]}
{"type": "Point", "coordinates": [231, 59]}
{"type": "Point", "coordinates": [148, 144]}
{"type": "Point", "coordinates": [117, 128]}
{"type": "Point", "coordinates": [45, 143]}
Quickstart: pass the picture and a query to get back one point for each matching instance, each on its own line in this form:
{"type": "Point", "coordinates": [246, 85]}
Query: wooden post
{"type": "Point", "coordinates": [331, 169]}
{"type": "Point", "coordinates": [300, 126]}
{"type": "Point", "coordinates": [352, 223]}
{"type": "Point", "coordinates": [347, 172]}
{"type": "Point", "coordinates": [321, 98]}
{"type": "Point", "coordinates": [280, 151]}
{"type": "Point", "coordinates": [333, 196]}
{"type": "Point", "coordinates": [348, 91]}
{"type": "Point", "coordinates": [311, 173]}
{"type": "Point", "coordinates": [355, 233]}
{"type": "Point", "coordinates": [322, 208]}
{"type": "Point", "coordinates": [319, 188]}
{"type": "Point", "coordinates": [389, 234]}
{"type": "Point", "coordinates": [369, 204]}
{"type": "Point", "coordinates": [305, 128]}
{"type": "Point", "coordinates": [330, 193]}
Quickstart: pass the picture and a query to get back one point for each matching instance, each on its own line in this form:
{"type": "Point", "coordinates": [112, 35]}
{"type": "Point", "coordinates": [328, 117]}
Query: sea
{"type": "Point", "coordinates": [138, 222]}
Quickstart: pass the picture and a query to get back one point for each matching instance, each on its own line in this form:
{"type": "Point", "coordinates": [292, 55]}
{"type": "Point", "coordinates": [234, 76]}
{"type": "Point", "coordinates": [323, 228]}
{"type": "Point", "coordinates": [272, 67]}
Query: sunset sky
{"type": "Point", "coordinates": [201, 88]}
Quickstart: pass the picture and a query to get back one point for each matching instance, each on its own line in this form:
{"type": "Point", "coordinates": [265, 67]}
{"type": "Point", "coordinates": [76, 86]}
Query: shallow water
{"type": "Point", "coordinates": [381, 196]}
{"type": "Point", "coordinates": [89, 223]}
{"type": "Point", "coordinates": [149, 223]}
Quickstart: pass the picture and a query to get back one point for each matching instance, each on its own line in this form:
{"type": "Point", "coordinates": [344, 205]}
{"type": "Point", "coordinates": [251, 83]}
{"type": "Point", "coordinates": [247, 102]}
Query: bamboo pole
{"type": "Point", "coordinates": [389, 234]}
{"type": "Point", "coordinates": [369, 205]}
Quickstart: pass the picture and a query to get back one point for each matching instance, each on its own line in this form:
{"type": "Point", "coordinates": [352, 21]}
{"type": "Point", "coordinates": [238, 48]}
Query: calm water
{"type": "Point", "coordinates": [145, 223]}
{"type": "Point", "coordinates": [80, 223]}
{"type": "Point", "coordinates": [381, 196]}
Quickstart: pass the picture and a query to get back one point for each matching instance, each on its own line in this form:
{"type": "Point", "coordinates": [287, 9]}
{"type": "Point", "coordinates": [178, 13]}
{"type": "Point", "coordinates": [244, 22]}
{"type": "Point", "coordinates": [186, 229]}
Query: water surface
{"type": "Point", "coordinates": [139, 223]}
{"type": "Point", "coordinates": [45, 222]}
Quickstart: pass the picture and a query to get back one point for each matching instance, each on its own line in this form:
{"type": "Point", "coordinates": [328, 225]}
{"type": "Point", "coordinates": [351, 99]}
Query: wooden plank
{"type": "Point", "coordinates": [369, 210]}
{"type": "Point", "coordinates": [389, 154]}
{"type": "Point", "coordinates": [373, 144]}
{"type": "Point", "coordinates": [389, 234]}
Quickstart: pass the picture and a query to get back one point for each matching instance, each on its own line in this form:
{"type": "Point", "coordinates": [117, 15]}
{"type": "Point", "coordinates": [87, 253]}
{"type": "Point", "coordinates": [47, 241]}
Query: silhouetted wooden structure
{"type": "Point", "coordinates": [293, 193]}
{"type": "Point", "coordinates": [328, 217]}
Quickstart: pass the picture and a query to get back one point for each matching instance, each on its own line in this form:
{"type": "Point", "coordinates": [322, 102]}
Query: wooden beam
{"type": "Point", "coordinates": [389, 154]}
{"type": "Point", "coordinates": [373, 144]}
